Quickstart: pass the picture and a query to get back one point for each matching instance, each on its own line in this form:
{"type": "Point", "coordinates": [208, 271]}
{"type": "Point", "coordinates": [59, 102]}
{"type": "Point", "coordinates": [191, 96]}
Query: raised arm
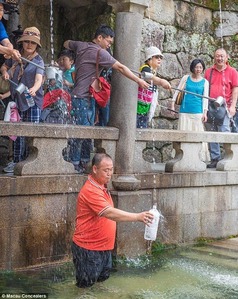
{"type": "Point", "coordinates": [124, 70]}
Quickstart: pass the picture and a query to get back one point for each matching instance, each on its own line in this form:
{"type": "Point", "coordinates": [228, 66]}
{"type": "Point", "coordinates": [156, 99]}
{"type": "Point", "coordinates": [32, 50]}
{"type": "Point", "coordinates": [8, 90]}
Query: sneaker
{"type": "Point", "coordinates": [10, 167]}
{"type": "Point", "coordinates": [213, 164]}
{"type": "Point", "coordinates": [80, 169]}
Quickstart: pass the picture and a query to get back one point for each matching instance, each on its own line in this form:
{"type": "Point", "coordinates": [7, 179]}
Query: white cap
{"type": "Point", "coordinates": [152, 51]}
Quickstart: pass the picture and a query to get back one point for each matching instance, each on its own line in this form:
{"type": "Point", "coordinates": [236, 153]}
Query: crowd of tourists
{"type": "Point", "coordinates": [72, 84]}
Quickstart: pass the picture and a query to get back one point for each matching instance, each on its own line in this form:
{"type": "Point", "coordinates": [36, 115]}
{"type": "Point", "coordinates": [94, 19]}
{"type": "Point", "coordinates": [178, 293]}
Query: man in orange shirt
{"type": "Point", "coordinates": [95, 229]}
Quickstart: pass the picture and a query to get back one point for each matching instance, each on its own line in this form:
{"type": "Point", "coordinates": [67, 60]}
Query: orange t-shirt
{"type": "Point", "coordinates": [93, 231]}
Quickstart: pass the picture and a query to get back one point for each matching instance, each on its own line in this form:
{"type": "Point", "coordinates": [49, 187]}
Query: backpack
{"type": "Point", "coordinates": [57, 113]}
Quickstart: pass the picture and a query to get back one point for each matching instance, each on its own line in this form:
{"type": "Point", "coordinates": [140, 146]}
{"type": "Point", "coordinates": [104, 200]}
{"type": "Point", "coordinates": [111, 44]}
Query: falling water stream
{"type": "Point", "coordinates": [52, 32]}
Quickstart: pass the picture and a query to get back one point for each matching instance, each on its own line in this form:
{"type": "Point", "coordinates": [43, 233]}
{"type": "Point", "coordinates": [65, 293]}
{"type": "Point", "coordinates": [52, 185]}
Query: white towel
{"type": "Point", "coordinates": [153, 105]}
{"type": "Point", "coordinates": [12, 115]}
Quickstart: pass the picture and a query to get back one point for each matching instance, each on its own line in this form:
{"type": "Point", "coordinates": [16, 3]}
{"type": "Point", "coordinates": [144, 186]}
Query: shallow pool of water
{"type": "Point", "coordinates": [184, 275]}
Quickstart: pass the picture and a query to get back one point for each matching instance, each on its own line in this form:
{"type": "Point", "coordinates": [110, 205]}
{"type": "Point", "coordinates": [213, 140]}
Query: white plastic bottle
{"type": "Point", "coordinates": [151, 229]}
{"type": "Point", "coordinates": [29, 98]}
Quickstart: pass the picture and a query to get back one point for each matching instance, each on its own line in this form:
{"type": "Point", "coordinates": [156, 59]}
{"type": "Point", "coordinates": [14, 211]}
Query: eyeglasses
{"type": "Point", "coordinates": [29, 42]}
{"type": "Point", "coordinates": [110, 41]}
{"type": "Point", "coordinates": [158, 56]}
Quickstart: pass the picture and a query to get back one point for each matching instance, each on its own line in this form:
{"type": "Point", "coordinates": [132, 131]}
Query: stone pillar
{"type": "Point", "coordinates": [124, 91]}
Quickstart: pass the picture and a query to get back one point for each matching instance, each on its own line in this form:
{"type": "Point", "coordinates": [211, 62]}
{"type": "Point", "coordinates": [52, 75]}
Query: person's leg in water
{"type": "Point", "coordinates": [91, 266]}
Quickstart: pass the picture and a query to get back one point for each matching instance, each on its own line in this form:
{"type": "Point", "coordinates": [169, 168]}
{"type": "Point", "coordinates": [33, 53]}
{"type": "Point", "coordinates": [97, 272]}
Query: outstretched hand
{"type": "Point", "coordinates": [165, 84]}
{"type": "Point", "coordinates": [146, 217]}
{"type": "Point", "coordinates": [14, 54]}
{"type": "Point", "coordinates": [143, 84]}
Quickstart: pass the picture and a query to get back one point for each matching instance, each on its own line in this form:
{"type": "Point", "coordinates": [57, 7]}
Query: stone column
{"type": "Point", "coordinates": [124, 92]}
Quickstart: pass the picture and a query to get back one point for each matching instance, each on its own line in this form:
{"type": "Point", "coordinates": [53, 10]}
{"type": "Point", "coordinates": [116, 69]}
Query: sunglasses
{"type": "Point", "coordinates": [29, 42]}
{"type": "Point", "coordinates": [158, 56]}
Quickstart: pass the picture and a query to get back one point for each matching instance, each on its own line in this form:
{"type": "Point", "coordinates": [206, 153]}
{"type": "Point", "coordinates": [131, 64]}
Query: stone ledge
{"type": "Point", "coordinates": [47, 184]}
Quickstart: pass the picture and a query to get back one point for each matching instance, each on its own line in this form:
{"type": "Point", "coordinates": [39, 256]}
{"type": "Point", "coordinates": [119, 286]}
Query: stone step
{"type": "Point", "coordinates": [217, 252]}
{"type": "Point", "coordinates": [225, 248]}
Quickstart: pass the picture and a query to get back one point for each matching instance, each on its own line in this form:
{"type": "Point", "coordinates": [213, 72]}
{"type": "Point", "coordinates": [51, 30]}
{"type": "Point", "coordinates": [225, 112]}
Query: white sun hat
{"type": "Point", "coordinates": [152, 51]}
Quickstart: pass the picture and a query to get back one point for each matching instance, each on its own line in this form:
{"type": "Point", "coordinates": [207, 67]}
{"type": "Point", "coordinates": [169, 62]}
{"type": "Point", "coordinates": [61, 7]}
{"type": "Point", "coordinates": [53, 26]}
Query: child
{"type": "Point", "coordinates": [65, 74]}
{"type": "Point", "coordinates": [153, 57]}
{"type": "Point", "coordinates": [66, 64]}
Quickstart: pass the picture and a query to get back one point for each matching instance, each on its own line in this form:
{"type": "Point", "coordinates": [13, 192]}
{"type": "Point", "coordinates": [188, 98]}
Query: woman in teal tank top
{"type": "Point", "coordinates": [193, 109]}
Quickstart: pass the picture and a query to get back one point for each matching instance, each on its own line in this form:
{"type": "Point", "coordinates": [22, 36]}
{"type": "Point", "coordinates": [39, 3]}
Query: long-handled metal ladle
{"type": "Point", "coordinates": [193, 93]}
{"type": "Point", "coordinates": [35, 64]}
{"type": "Point", "coordinates": [50, 71]}
{"type": "Point", "coordinates": [20, 88]}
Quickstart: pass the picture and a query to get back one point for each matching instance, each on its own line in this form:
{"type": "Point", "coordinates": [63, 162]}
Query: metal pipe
{"type": "Point", "coordinates": [35, 64]}
{"type": "Point", "coordinates": [12, 82]}
{"type": "Point", "coordinates": [168, 108]}
{"type": "Point", "coordinates": [1, 101]}
{"type": "Point", "coordinates": [193, 93]}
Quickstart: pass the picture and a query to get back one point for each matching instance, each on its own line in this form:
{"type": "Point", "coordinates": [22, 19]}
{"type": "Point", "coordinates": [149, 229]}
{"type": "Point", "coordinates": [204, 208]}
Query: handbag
{"type": "Point", "coordinates": [4, 85]}
{"type": "Point", "coordinates": [180, 94]}
{"type": "Point", "coordinates": [100, 89]}
{"type": "Point", "coordinates": [216, 115]}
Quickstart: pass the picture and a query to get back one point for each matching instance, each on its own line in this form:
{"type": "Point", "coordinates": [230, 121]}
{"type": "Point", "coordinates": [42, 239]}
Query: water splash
{"type": "Point", "coordinates": [221, 24]}
{"type": "Point", "coordinates": [51, 32]}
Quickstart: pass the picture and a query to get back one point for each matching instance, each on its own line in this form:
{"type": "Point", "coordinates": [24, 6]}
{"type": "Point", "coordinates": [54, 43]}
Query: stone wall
{"type": "Point", "coordinates": [182, 29]}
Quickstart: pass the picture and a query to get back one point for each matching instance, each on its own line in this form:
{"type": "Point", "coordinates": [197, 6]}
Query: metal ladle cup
{"type": "Point", "coordinates": [19, 87]}
{"type": "Point", "coordinates": [50, 72]}
{"type": "Point", "coordinates": [219, 101]}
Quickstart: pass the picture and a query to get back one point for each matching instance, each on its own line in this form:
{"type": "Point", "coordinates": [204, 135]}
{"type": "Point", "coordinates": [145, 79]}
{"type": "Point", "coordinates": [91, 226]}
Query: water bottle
{"type": "Point", "coordinates": [29, 98]}
{"type": "Point", "coordinates": [151, 229]}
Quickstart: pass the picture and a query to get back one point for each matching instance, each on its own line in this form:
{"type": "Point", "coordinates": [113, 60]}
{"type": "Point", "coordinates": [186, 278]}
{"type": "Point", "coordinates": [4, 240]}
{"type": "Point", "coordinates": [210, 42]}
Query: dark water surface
{"type": "Point", "coordinates": [184, 275]}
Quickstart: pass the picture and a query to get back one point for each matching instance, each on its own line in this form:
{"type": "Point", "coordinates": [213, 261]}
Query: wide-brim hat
{"type": "Point", "coordinates": [152, 51]}
{"type": "Point", "coordinates": [31, 34]}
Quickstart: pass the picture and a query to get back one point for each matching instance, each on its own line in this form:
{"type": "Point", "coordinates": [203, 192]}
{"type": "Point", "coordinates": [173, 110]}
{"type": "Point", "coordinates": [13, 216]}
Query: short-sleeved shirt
{"type": "Point", "coordinates": [222, 82]}
{"type": "Point", "coordinates": [92, 230]}
{"type": "Point", "coordinates": [3, 33]}
{"type": "Point", "coordinates": [85, 65]}
{"type": "Point", "coordinates": [28, 79]}
{"type": "Point", "coordinates": [68, 75]}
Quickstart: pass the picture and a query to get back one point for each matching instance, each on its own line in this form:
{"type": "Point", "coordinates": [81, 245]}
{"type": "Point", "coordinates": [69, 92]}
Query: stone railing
{"type": "Point", "coordinates": [187, 146]}
{"type": "Point", "coordinates": [47, 142]}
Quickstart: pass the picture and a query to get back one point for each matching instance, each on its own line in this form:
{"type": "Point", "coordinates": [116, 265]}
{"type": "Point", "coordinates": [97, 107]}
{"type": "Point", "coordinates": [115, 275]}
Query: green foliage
{"type": "Point", "coordinates": [215, 4]}
{"type": "Point", "coordinates": [159, 248]}
{"type": "Point", "coordinates": [203, 241]}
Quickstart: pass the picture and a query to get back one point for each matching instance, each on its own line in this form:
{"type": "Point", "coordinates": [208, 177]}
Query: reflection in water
{"type": "Point", "coordinates": [179, 276]}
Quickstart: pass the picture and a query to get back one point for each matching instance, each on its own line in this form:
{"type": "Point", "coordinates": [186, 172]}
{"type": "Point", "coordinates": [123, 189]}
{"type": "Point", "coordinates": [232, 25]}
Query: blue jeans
{"type": "Point", "coordinates": [214, 148]}
{"type": "Point", "coordinates": [142, 121]}
{"type": "Point", "coordinates": [103, 115]}
{"type": "Point", "coordinates": [20, 146]}
{"type": "Point", "coordinates": [83, 112]}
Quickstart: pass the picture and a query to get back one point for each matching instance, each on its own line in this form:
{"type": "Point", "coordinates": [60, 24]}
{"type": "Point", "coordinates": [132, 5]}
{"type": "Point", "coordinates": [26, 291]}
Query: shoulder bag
{"type": "Point", "coordinates": [180, 95]}
{"type": "Point", "coordinates": [4, 85]}
{"type": "Point", "coordinates": [100, 89]}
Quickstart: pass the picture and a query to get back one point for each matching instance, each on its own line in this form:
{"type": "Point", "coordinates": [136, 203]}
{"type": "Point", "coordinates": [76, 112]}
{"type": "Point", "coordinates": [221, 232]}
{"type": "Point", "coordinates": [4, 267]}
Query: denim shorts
{"type": "Point", "coordinates": [91, 266]}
